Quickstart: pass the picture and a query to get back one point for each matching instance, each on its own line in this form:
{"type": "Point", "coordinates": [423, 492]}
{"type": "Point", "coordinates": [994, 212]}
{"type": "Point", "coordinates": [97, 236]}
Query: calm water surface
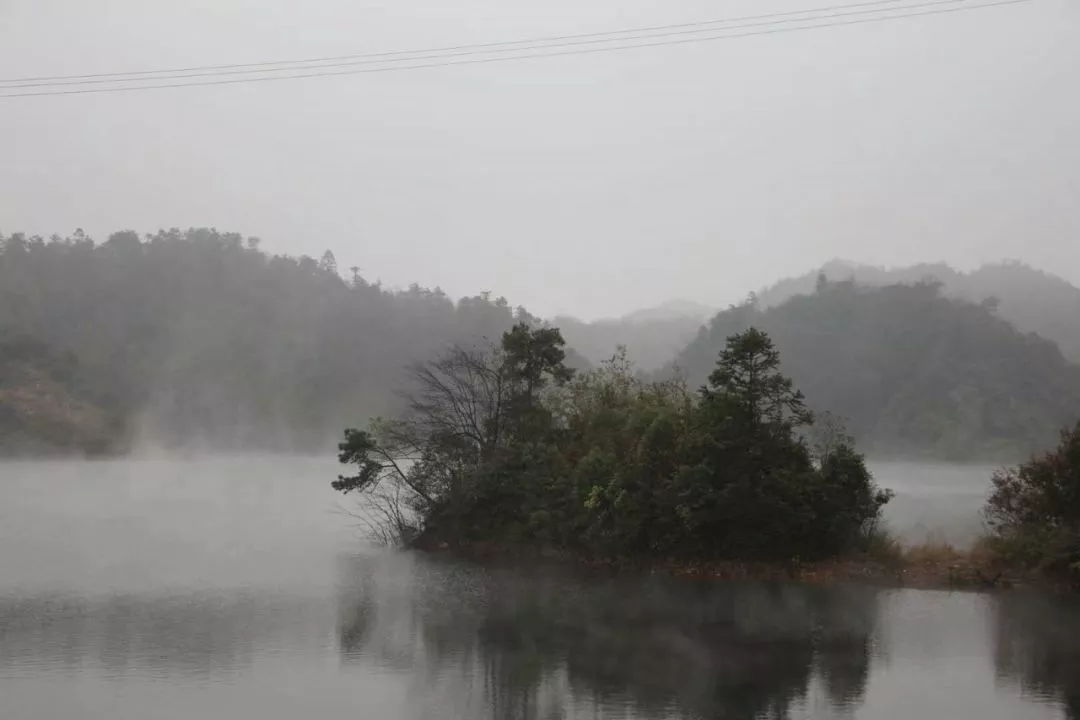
{"type": "Point", "coordinates": [236, 589]}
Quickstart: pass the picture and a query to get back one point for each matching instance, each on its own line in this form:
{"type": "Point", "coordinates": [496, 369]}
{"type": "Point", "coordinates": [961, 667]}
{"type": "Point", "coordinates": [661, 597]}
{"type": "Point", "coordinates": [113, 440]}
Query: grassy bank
{"type": "Point", "coordinates": [930, 565]}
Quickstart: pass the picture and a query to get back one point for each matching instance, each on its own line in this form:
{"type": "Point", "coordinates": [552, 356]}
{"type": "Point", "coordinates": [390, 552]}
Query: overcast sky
{"type": "Point", "coordinates": [589, 184]}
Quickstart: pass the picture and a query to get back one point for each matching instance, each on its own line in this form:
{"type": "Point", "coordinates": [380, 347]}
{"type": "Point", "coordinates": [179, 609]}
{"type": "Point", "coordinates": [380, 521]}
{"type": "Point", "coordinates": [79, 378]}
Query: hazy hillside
{"type": "Point", "coordinates": [198, 338]}
{"type": "Point", "coordinates": [652, 336]}
{"type": "Point", "coordinates": [1033, 300]}
{"type": "Point", "coordinates": [42, 408]}
{"type": "Point", "coordinates": [913, 372]}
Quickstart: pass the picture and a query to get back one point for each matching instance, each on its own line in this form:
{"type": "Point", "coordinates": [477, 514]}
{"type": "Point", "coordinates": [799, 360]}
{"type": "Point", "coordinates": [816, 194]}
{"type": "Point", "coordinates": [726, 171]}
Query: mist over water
{"type": "Point", "coordinates": [935, 501]}
{"type": "Point", "coordinates": [236, 587]}
{"type": "Point", "coordinates": [721, 218]}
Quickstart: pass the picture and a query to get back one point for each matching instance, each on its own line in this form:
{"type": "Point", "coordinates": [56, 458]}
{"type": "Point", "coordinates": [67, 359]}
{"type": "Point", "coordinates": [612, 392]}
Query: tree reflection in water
{"type": "Point", "coordinates": [546, 644]}
{"type": "Point", "coordinates": [1038, 645]}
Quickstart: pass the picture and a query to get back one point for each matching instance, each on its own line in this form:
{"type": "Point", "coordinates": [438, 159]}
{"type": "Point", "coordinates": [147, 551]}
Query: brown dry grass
{"type": "Point", "coordinates": [933, 552]}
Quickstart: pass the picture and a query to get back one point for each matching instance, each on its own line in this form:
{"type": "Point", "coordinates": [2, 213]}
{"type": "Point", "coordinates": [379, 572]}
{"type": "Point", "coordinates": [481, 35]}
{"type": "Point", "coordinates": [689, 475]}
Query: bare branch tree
{"type": "Point", "coordinates": [461, 411]}
{"type": "Point", "coordinates": [452, 423]}
{"type": "Point", "coordinates": [826, 434]}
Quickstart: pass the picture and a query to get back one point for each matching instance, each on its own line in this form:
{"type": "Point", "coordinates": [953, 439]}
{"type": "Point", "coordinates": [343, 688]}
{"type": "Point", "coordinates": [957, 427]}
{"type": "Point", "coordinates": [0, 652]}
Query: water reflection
{"type": "Point", "coordinates": [547, 644]}
{"type": "Point", "coordinates": [1038, 645]}
{"type": "Point", "coordinates": [407, 637]}
{"type": "Point", "coordinates": [200, 635]}
{"type": "Point", "coordinates": [235, 603]}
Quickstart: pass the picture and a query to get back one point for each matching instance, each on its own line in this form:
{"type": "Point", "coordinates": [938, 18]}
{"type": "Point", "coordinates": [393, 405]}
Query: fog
{"type": "Point", "coordinates": [590, 185]}
{"type": "Point", "coordinates": [218, 587]}
{"type": "Point", "coordinates": [202, 286]}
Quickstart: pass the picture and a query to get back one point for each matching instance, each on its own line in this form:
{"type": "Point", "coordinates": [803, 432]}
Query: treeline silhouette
{"type": "Point", "coordinates": [189, 338]}
{"type": "Point", "coordinates": [912, 372]}
{"type": "Point", "coordinates": [199, 339]}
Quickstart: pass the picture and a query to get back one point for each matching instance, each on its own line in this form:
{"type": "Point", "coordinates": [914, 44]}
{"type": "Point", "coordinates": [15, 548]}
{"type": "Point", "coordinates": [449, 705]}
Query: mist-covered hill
{"type": "Point", "coordinates": [200, 339]}
{"type": "Point", "coordinates": [652, 336]}
{"type": "Point", "coordinates": [1033, 300]}
{"type": "Point", "coordinates": [914, 373]}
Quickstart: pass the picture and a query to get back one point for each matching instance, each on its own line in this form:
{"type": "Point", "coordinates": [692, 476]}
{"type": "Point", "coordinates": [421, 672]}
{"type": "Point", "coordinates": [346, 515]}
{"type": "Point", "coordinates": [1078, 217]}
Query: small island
{"type": "Point", "coordinates": [506, 450]}
{"type": "Point", "coordinates": [691, 449]}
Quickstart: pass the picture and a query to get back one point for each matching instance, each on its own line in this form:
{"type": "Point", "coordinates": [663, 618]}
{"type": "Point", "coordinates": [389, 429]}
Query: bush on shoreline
{"type": "Point", "coordinates": [1034, 510]}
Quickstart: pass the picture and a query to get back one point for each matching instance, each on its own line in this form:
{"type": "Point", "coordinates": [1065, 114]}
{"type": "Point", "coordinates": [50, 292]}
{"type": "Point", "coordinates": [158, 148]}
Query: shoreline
{"type": "Point", "coordinates": [960, 572]}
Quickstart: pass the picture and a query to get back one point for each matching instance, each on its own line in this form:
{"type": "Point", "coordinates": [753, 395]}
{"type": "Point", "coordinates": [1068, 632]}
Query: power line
{"type": "Point", "coordinates": [490, 48]}
{"type": "Point", "coordinates": [562, 53]}
{"type": "Point", "coordinates": [509, 44]}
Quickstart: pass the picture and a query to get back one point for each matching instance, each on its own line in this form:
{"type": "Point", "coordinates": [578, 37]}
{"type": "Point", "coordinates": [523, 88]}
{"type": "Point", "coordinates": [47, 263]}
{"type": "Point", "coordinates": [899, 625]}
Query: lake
{"type": "Point", "coordinates": [239, 588]}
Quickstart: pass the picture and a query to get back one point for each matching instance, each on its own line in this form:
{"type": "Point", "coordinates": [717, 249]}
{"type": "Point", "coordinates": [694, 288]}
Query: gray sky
{"type": "Point", "coordinates": [590, 184]}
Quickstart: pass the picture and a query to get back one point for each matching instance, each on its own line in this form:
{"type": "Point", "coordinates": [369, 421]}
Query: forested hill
{"type": "Point", "coordinates": [199, 338]}
{"type": "Point", "coordinates": [912, 372]}
{"type": "Point", "coordinates": [651, 337]}
{"type": "Point", "coordinates": [1032, 300]}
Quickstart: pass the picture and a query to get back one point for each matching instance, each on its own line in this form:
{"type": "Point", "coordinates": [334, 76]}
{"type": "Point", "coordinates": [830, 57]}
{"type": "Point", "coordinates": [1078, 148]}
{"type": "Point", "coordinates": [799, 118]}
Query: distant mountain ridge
{"type": "Point", "coordinates": [199, 339]}
{"type": "Point", "coordinates": [1033, 300]}
{"type": "Point", "coordinates": [914, 373]}
{"type": "Point", "coordinates": [652, 336]}
{"type": "Point", "coordinates": [671, 310]}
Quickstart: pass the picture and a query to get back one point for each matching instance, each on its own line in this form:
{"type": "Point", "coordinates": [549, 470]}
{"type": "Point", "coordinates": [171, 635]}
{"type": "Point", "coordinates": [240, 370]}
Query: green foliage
{"type": "Point", "coordinates": [914, 373]}
{"type": "Point", "coordinates": [747, 381]}
{"type": "Point", "coordinates": [607, 464]}
{"type": "Point", "coordinates": [1034, 509]}
{"type": "Point", "coordinates": [359, 448]}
